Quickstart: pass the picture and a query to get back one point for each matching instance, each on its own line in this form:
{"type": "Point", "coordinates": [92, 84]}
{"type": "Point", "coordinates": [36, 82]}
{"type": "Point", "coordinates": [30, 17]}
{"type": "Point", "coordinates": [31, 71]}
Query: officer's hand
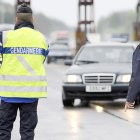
{"type": "Point", "coordinates": [129, 105]}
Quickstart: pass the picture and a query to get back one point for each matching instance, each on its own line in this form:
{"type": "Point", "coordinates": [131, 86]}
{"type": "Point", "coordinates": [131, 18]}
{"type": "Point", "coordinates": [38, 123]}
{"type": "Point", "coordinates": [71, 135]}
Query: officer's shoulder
{"type": "Point", "coordinates": [42, 35]}
{"type": "Point", "coordinates": [10, 32]}
{"type": "Point", "coordinates": [4, 36]}
{"type": "Point", "coordinates": [39, 32]}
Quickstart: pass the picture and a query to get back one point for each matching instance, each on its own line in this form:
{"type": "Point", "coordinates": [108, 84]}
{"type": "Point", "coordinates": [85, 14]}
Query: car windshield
{"type": "Point", "coordinates": [59, 47]}
{"type": "Point", "coordinates": [105, 55]}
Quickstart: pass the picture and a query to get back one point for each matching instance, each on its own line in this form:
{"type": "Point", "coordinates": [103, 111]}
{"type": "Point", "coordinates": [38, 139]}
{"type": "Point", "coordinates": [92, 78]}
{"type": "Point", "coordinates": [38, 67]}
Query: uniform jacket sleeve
{"type": "Point", "coordinates": [134, 85]}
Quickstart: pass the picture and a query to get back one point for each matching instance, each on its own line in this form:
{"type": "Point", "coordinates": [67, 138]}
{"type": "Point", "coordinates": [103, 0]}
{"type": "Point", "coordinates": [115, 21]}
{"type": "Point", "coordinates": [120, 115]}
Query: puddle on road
{"type": "Point", "coordinates": [117, 112]}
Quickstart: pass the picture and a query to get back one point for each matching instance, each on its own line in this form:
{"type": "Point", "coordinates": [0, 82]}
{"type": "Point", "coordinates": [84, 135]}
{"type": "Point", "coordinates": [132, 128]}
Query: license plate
{"type": "Point", "coordinates": [98, 88]}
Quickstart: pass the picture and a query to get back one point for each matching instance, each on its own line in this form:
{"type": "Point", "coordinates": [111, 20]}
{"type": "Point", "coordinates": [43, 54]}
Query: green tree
{"type": "Point", "coordinates": [118, 22]}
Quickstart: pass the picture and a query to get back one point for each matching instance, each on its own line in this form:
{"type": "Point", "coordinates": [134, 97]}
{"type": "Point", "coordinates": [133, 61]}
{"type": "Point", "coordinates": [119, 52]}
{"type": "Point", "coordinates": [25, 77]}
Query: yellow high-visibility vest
{"type": "Point", "coordinates": [22, 73]}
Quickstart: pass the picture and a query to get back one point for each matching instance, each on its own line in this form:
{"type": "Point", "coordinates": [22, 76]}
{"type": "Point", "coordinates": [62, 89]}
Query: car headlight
{"type": "Point", "coordinates": [124, 78]}
{"type": "Point", "coordinates": [73, 79]}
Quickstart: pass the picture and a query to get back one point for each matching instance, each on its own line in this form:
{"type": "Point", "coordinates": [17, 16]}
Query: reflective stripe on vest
{"type": "Point", "coordinates": [23, 89]}
{"type": "Point", "coordinates": [26, 65]}
{"type": "Point", "coordinates": [22, 78]}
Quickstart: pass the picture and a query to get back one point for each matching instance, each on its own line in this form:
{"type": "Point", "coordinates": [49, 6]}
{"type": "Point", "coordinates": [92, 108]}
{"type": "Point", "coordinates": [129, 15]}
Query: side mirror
{"type": "Point", "coordinates": [68, 62]}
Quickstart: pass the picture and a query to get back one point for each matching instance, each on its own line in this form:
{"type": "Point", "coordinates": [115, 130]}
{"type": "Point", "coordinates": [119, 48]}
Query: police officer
{"type": "Point", "coordinates": [22, 75]}
{"type": "Point", "coordinates": [134, 86]}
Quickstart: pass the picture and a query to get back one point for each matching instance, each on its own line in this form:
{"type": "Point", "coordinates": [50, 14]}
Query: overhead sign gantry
{"type": "Point", "coordinates": [85, 21]}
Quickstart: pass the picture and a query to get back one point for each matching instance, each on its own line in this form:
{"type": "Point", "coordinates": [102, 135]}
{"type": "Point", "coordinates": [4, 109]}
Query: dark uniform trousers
{"type": "Point", "coordinates": [28, 119]}
{"type": "Point", "coordinates": [134, 85]}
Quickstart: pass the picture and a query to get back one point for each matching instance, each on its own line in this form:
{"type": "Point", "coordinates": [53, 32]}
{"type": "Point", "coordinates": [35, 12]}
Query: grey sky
{"type": "Point", "coordinates": [66, 10]}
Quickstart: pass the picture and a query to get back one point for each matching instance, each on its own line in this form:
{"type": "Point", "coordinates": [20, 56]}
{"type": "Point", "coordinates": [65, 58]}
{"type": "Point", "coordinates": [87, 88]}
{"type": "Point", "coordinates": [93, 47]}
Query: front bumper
{"type": "Point", "coordinates": [78, 91]}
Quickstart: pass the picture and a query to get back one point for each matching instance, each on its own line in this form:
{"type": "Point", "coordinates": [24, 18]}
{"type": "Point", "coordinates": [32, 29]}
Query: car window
{"type": "Point", "coordinates": [105, 55]}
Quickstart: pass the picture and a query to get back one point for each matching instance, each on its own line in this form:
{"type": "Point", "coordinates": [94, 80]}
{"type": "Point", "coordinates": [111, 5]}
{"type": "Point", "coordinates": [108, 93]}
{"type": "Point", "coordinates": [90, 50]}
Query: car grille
{"type": "Point", "coordinates": [99, 78]}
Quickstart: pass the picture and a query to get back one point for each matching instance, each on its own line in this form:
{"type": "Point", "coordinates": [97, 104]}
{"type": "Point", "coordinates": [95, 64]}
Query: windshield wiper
{"type": "Point", "coordinates": [86, 61]}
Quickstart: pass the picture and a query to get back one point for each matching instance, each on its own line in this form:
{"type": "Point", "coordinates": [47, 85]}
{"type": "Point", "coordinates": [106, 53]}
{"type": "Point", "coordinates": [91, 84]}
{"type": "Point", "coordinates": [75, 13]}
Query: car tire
{"type": "Point", "coordinates": [48, 60]}
{"type": "Point", "coordinates": [85, 103]}
{"type": "Point", "coordinates": [67, 102]}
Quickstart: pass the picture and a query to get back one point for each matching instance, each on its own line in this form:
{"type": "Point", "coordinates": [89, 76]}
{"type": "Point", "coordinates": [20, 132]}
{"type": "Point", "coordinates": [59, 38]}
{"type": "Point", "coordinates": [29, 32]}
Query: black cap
{"type": "Point", "coordinates": [24, 8]}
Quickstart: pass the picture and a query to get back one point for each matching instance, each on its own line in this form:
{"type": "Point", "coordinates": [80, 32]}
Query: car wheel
{"type": "Point", "coordinates": [67, 102]}
{"type": "Point", "coordinates": [85, 103]}
{"type": "Point", "coordinates": [48, 60]}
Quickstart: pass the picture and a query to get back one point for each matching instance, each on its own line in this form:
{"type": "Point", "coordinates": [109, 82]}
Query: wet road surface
{"type": "Point", "coordinates": [101, 120]}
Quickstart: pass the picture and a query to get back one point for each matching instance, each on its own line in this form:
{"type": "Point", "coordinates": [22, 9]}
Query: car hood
{"type": "Point", "coordinates": [100, 68]}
